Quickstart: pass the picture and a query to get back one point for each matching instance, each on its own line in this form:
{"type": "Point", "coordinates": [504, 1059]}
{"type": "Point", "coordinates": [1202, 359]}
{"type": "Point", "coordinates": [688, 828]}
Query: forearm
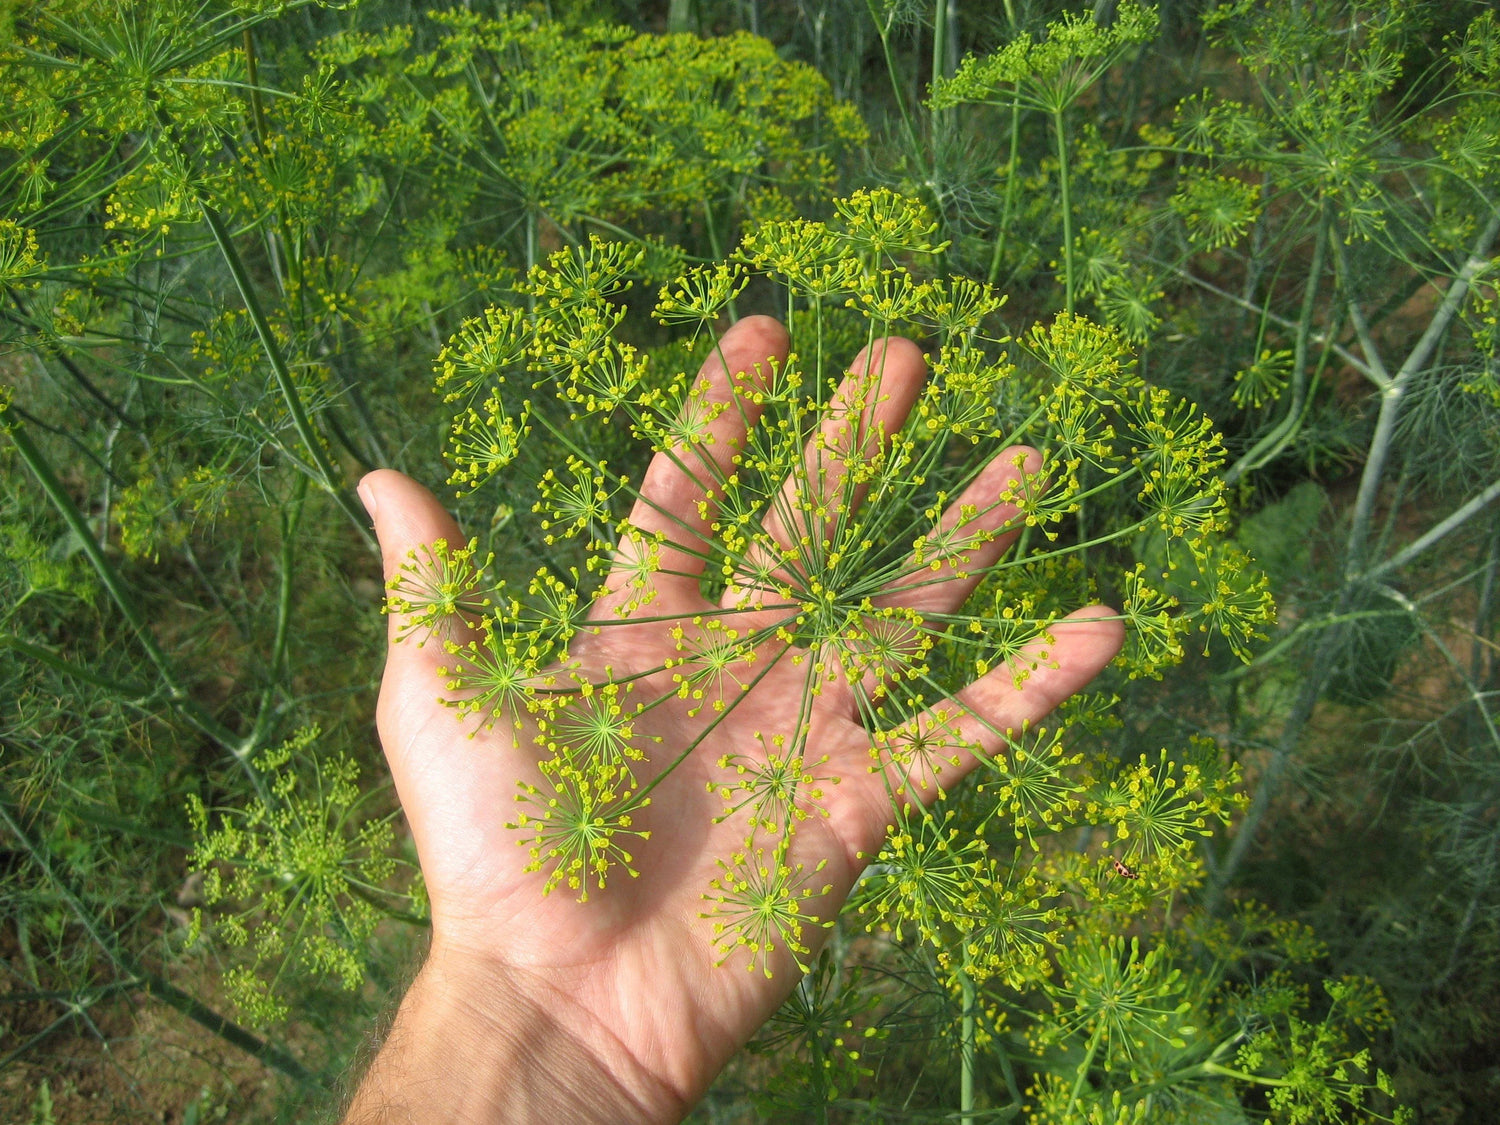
{"type": "Point", "coordinates": [470, 1048]}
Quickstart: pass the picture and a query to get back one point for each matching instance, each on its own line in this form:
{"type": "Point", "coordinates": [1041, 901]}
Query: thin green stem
{"type": "Point", "coordinates": [969, 1026]}
{"type": "Point", "coordinates": [884, 31]}
{"type": "Point", "coordinates": [1272, 443]}
{"type": "Point", "coordinates": [637, 798]}
{"type": "Point", "coordinates": [374, 900]}
{"type": "Point", "coordinates": [68, 668]}
{"type": "Point", "coordinates": [1215, 1070]}
{"type": "Point", "coordinates": [291, 517]}
{"type": "Point", "coordinates": [252, 82]}
{"type": "Point", "coordinates": [1083, 1071]}
{"type": "Point", "coordinates": [1008, 208]}
{"type": "Point", "coordinates": [1322, 339]}
{"type": "Point", "coordinates": [1059, 128]}
{"type": "Point", "coordinates": [717, 250]}
{"type": "Point", "coordinates": [327, 474]}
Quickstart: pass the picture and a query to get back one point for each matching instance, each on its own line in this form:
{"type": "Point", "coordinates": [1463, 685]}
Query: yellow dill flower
{"type": "Point", "coordinates": [701, 295]}
{"type": "Point", "coordinates": [20, 257]}
{"type": "Point", "coordinates": [779, 786]}
{"type": "Point", "coordinates": [437, 590]}
{"type": "Point", "coordinates": [577, 823]}
{"type": "Point", "coordinates": [927, 876]}
{"type": "Point", "coordinates": [757, 906]}
{"type": "Point", "coordinates": [484, 441]}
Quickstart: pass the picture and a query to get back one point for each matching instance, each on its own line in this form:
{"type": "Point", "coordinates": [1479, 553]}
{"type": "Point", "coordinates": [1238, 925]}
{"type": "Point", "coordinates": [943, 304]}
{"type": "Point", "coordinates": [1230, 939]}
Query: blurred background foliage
{"type": "Point", "coordinates": [234, 238]}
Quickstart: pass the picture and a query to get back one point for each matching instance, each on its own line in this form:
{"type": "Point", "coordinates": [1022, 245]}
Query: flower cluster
{"type": "Point", "coordinates": [839, 555]}
{"type": "Point", "coordinates": [299, 878]}
{"type": "Point", "coordinates": [1053, 71]}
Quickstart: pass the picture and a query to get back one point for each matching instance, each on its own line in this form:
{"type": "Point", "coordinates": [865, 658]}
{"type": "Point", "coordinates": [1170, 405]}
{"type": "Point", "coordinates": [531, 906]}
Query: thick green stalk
{"type": "Point", "coordinates": [252, 79]}
{"type": "Point", "coordinates": [1270, 781]}
{"type": "Point", "coordinates": [1059, 127]}
{"type": "Point", "coordinates": [1433, 536]}
{"type": "Point", "coordinates": [295, 407]}
{"type": "Point", "coordinates": [1355, 577]}
{"type": "Point", "coordinates": [1486, 607]}
{"type": "Point", "coordinates": [1393, 394]}
{"type": "Point", "coordinates": [179, 695]}
{"type": "Point", "coordinates": [820, 1077]}
{"type": "Point", "coordinates": [941, 118]}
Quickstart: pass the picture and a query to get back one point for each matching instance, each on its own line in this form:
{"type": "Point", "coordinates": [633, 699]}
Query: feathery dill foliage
{"type": "Point", "coordinates": [560, 126]}
{"type": "Point", "coordinates": [832, 525]}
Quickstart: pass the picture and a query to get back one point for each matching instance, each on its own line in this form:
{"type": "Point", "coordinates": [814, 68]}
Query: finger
{"type": "Point", "coordinates": [869, 406]}
{"type": "Point", "coordinates": [448, 792]}
{"type": "Point", "coordinates": [676, 495]}
{"type": "Point", "coordinates": [941, 743]}
{"type": "Point", "coordinates": [974, 531]}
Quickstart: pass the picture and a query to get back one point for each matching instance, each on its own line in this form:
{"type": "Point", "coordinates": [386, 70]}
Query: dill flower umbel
{"type": "Point", "coordinates": [298, 878]}
{"type": "Point", "coordinates": [810, 543]}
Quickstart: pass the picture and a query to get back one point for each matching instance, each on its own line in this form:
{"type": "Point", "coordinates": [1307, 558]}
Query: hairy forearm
{"type": "Point", "coordinates": [468, 1046]}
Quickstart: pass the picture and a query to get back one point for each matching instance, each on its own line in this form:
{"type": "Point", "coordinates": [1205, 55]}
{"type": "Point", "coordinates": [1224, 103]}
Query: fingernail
{"type": "Point", "coordinates": [367, 497]}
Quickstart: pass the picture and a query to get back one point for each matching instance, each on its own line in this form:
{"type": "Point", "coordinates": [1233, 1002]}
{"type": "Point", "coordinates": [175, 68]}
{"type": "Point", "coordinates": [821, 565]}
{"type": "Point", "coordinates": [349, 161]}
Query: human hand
{"type": "Point", "coordinates": [535, 1006]}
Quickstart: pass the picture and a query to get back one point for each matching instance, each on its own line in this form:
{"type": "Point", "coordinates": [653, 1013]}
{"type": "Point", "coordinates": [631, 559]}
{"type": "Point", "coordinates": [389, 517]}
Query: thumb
{"type": "Point", "coordinates": [444, 790]}
{"type": "Point", "coordinates": [417, 540]}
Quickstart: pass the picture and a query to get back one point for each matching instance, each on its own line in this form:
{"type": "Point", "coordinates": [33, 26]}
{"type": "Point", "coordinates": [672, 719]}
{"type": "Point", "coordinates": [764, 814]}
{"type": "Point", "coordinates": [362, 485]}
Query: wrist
{"type": "Point", "coordinates": [475, 1042]}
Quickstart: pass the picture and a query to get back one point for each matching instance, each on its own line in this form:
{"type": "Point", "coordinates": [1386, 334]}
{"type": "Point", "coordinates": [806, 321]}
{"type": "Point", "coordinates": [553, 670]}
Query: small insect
{"type": "Point", "coordinates": [1122, 870]}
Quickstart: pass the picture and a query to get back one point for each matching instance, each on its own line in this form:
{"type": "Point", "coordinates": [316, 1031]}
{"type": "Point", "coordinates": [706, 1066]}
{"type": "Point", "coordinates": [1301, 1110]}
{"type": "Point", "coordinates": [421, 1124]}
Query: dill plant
{"type": "Point", "coordinates": [1049, 75]}
{"type": "Point", "coordinates": [362, 199]}
{"type": "Point", "coordinates": [313, 862]}
{"type": "Point", "coordinates": [788, 609]}
{"type": "Point", "coordinates": [1296, 249]}
{"type": "Point", "coordinates": [784, 614]}
{"type": "Point", "coordinates": [545, 130]}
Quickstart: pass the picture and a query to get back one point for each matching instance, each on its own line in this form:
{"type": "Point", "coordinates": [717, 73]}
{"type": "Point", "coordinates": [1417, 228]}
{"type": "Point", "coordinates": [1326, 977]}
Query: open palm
{"type": "Point", "coordinates": [634, 975]}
